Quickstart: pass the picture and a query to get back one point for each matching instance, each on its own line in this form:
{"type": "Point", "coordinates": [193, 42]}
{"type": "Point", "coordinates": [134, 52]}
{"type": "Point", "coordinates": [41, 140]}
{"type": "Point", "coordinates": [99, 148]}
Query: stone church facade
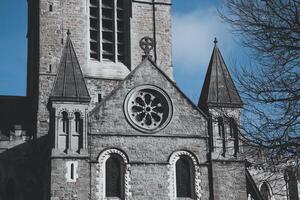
{"type": "Point", "coordinates": [103, 118]}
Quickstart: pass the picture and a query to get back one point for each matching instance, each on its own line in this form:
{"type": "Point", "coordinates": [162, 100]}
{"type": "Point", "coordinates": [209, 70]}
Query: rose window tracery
{"type": "Point", "coordinates": [148, 108]}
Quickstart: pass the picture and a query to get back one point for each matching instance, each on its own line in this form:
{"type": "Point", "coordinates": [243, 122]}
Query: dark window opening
{"type": "Point", "coordinates": [184, 178]}
{"type": "Point", "coordinates": [231, 127]}
{"type": "Point", "coordinates": [265, 191]}
{"type": "Point", "coordinates": [79, 130]}
{"type": "Point", "coordinates": [222, 134]}
{"type": "Point", "coordinates": [50, 7]}
{"type": "Point", "coordinates": [110, 29]}
{"type": "Point", "coordinates": [234, 133]}
{"type": "Point", "coordinates": [65, 121]}
{"type": "Point", "coordinates": [99, 98]}
{"type": "Point", "coordinates": [94, 29]}
{"type": "Point", "coordinates": [114, 177]}
{"type": "Point", "coordinates": [220, 126]}
{"type": "Point", "coordinates": [78, 123]}
{"type": "Point", "coordinates": [72, 172]}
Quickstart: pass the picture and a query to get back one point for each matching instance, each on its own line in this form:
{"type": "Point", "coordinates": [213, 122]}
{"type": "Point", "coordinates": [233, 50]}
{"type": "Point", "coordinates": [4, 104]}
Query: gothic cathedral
{"type": "Point", "coordinates": [103, 118]}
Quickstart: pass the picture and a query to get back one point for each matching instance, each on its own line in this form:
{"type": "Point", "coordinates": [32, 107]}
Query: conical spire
{"type": "Point", "coordinates": [218, 89]}
{"type": "Point", "coordinates": [69, 84]}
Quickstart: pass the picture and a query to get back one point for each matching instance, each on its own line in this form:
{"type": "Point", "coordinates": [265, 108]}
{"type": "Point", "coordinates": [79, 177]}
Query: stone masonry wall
{"type": "Point", "coordinates": [53, 28]}
{"type": "Point", "coordinates": [149, 168]}
{"type": "Point", "coordinates": [148, 154]}
{"type": "Point", "coordinates": [229, 180]}
{"type": "Point", "coordinates": [274, 179]}
{"type": "Point", "coordinates": [73, 15]}
{"type": "Point", "coordinates": [63, 190]}
{"type": "Point", "coordinates": [108, 117]}
{"type": "Point", "coordinates": [142, 24]}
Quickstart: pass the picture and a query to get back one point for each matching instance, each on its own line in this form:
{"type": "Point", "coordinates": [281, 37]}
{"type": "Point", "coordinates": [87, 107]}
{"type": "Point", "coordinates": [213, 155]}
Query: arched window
{"type": "Point", "coordinates": [114, 173]}
{"type": "Point", "coordinates": [265, 191]}
{"type": "Point", "coordinates": [65, 122]}
{"type": "Point", "coordinates": [77, 137]}
{"type": "Point", "coordinates": [234, 133]}
{"type": "Point", "coordinates": [231, 127]}
{"type": "Point", "coordinates": [184, 177]}
{"type": "Point", "coordinates": [63, 136]}
{"type": "Point", "coordinates": [221, 127]}
{"type": "Point", "coordinates": [78, 123]}
{"type": "Point", "coordinates": [222, 134]}
{"type": "Point", "coordinates": [109, 22]}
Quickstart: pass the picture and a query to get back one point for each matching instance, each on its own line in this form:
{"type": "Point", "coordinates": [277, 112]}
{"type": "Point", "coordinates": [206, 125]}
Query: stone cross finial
{"type": "Point", "coordinates": [215, 41]}
{"type": "Point", "coordinates": [147, 44]}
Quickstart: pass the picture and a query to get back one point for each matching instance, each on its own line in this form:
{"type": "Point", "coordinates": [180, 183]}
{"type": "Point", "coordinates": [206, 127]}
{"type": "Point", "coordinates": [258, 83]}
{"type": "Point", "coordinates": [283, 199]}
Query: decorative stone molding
{"type": "Point", "coordinates": [172, 174]}
{"type": "Point", "coordinates": [59, 113]}
{"type": "Point", "coordinates": [77, 111]}
{"type": "Point", "coordinates": [270, 189]}
{"type": "Point", "coordinates": [101, 176]}
{"type": "Point", "coordinates": [148, 108]}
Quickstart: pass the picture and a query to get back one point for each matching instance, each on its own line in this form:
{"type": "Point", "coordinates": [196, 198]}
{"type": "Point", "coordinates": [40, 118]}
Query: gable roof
{"type": "Point", "coordinates": [69, 84]}
{"type": "Point", "coordinates": [218, 89]}
{"type": "Point", "coordinates": [144, 61]}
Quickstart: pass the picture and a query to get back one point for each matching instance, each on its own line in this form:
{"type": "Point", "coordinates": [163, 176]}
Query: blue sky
{"type": "Point", "coordinates": [195, 24]}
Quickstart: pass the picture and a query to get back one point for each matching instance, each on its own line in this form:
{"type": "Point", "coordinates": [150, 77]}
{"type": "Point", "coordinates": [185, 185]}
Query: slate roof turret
{"type": "Point", "coordinates": [69, 85]}
{"type": "Point", "coordinates": [218, 89]}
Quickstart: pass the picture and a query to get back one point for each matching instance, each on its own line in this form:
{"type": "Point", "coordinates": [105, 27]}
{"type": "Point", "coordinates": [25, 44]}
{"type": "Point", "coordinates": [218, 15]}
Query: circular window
{"type": "Point", "coordinates": [148, 108]}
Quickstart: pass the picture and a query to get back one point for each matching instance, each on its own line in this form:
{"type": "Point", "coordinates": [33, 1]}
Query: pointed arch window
{"type": "Point", "coordinates": [114, 173]}
{"type": "Point", "coordinates": [265, 191]}
{"type": "Point", "coordinates": [109, 32]}
{"type": "Point", "coordinates": [184, 177]}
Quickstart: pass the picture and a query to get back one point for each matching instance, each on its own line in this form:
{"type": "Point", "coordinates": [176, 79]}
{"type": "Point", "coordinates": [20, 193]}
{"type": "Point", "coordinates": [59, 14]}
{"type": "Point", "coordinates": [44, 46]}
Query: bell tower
{"type": "Point", "coordinates": [105, 35]}
{"type": "Point", "coordinates": [221, 101]}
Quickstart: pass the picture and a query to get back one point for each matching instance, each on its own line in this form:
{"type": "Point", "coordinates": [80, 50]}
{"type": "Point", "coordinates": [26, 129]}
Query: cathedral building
{"type": "Point", "coordinates": [103, 118]}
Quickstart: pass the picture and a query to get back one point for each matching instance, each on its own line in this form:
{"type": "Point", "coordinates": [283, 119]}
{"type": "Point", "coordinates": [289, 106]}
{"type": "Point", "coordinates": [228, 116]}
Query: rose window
{"type": "Point", "coordinates": [148, 108]}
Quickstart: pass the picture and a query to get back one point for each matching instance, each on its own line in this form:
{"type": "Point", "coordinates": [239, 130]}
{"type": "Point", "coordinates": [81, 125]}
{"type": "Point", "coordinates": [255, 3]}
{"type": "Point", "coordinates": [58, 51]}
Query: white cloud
{"type": "Point", "coordinates": [193, 35]}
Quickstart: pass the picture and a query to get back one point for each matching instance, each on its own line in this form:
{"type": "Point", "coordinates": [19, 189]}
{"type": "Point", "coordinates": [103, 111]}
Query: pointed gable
{"type": "Point", "coordinates": [69, 84]}
{"type": "Point", "coordinates": [218, 89]}
{"type": "Point", "coordinates": [109, 115]}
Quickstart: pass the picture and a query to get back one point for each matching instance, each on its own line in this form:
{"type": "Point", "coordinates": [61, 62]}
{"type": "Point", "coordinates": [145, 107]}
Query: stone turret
{"type": "Point", "coordinates": [69, 99]}
{"type": "Point", "coordinates": [221, 101]}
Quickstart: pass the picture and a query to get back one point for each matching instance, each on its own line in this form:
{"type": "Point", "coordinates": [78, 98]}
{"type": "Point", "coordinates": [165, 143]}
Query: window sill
{"type": "Point", "coordinates": [113, 198]}
{"type": "Point", "coordinates": [184, 198]}
{"type": "Point", "coordinates": [59, 153]}
{"type": "Point", "coordinates": [107, 70]}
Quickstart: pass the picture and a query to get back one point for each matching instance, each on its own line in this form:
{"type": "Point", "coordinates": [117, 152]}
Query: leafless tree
{"type": "Point", "coordinates": [270, 86]}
